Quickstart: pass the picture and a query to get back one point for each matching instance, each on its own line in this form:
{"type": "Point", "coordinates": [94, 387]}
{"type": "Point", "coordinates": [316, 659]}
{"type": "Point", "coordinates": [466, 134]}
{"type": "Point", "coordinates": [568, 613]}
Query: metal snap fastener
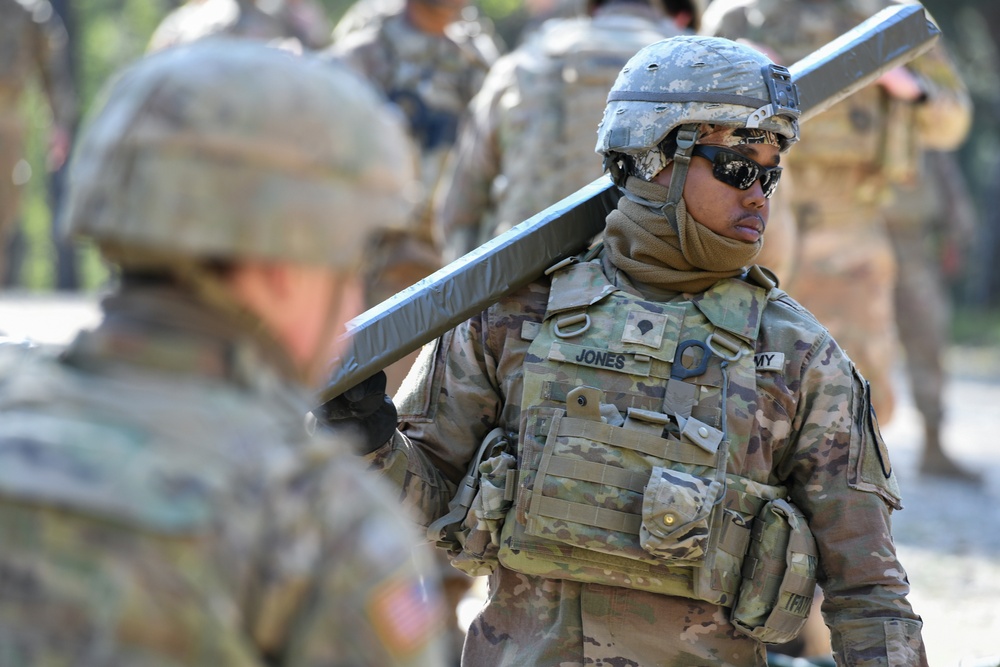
{"type": "Point", "coordinates": [703, 432]}
{"type": "Point", "coordinates": [669, 519]}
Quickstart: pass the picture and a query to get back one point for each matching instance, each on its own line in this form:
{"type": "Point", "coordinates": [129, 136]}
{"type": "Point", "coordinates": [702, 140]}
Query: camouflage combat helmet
{"type": "Point", "coordinates": [682, 82]}
{"type": "Point", "coordinates": [231, 149]}
{"type": "Point", "coordinates": [691, 80]}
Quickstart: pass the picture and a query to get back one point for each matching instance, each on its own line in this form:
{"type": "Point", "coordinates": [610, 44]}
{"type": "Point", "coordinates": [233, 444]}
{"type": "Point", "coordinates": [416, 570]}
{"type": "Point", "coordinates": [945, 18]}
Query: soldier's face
{"type": "Point", "coordinates": [344, 301]}
{"type": "Point", "coordinates": [726, 210]}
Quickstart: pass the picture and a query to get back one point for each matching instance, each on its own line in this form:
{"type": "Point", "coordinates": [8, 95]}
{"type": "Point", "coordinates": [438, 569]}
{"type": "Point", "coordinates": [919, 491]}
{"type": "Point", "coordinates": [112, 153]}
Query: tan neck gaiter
{"type": "Point", "coordinates": [641, 242]}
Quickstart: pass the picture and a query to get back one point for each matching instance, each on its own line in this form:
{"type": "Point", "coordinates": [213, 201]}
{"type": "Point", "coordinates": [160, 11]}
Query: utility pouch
{"type": "Point", "coordinates": [779, 575]}
{"type": "Point", "coordinates": [470, 531]}
{"type": "Point", "coordinates": [675, 514]}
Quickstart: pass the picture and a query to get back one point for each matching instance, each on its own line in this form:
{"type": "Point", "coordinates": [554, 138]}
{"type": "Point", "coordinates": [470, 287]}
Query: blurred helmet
{"type": "Point", "coordinates": [230, 149]}
{"type": "Point", "coordinates": [690, 80]}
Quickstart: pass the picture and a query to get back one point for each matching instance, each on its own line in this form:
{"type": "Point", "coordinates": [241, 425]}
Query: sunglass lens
{"type": "Point", "coordinates": [740, 172]}
{"type": "Point", "coordinates": [769, 182]}
{"type": "Point", "coordinates": [735, 171]}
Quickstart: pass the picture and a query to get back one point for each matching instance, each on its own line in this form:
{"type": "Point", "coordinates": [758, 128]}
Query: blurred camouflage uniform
{"type": "Point", "coordinates": [32, 41]}
{"type": "Point", "coordinates": [431, 78]}
{"type": "Point", "coordinates": [301, 20]}
{"type": "Point", "coordinates": [844, 168]}
{"type": "Point", "coordinates": [472, 25]}
{"type": "Point", "coordinates": [528, 140]}
{"type": "Point", "coordinates": [625, 495]}
{"type": "Point", "coordinates": [931, 223]}
{"type": "Point", "coordinates": [162, 501]}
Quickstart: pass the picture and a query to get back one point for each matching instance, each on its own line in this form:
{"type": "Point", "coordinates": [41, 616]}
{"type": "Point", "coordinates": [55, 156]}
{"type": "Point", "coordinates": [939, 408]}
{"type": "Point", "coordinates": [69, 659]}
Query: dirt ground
{"type": "Point", "coordinates": [948, 534]}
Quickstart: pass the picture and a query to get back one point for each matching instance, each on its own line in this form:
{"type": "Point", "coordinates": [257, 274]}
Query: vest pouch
{"type": "Point", "coordinates": [470, 531]}
{"type": "Point", "coordinates": [779, 575]}
{"type": "Point", "coordinates": [675, 514]}
{"type": "Point", "coordinates": [591, 479]}
{"type": "Point", "coordinates": [482, 525]}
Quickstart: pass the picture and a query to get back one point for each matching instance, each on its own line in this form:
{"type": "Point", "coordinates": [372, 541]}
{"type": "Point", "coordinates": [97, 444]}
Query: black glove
{"type": "Point", "coordinates": [364, 409]}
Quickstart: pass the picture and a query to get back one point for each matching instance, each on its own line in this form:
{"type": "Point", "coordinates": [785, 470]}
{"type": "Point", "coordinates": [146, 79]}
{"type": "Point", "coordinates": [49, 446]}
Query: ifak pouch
{"type": "Point", "coordinates": [779, 575]}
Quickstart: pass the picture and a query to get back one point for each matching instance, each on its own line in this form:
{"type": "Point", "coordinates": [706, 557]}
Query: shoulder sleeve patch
{"type": "Point", "coordinates": [869, 466]}
{"type": "Point", "coordinates": [406, 615]}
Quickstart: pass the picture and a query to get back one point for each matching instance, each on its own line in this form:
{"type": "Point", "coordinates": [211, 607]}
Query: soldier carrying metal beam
{"type": "Point", "coordinates": [653, 451]}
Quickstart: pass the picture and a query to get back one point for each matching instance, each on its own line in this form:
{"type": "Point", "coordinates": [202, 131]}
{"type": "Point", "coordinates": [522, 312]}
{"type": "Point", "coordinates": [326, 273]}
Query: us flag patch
{"type": "Point", "coordinates": [405, 614]}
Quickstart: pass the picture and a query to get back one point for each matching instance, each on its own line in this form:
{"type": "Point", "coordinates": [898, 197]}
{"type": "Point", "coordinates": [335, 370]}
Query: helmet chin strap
{"type": "Point", "coordinates": [687, 135]}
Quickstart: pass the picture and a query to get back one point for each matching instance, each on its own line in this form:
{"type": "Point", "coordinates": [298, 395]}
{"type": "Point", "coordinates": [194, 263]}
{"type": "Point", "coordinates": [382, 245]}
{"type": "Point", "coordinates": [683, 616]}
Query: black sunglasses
{"type": "Point", "coordinates": [738, 170]}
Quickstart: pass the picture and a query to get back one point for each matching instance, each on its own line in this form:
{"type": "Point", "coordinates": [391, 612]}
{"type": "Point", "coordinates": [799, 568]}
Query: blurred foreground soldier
{"type": "Point", "coordinates": [32, 42]}
{"type": "Point", "coordinates": [527, 143]}
{"type": "Point", "coordinates": [673, 451]}
{"type": "Point", "coordinates": [431, 73]}
{"type": "Point", "coordinates": [161, 500]}
{"type": "Point", "coordinates": [931, 222]}
{"type": "Point", "coordinates": [302, 21]}
{"type": "Point", "coordinates": [845, 166]}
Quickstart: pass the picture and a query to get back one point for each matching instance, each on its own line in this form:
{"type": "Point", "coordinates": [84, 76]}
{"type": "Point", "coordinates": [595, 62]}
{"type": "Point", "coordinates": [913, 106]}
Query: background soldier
{"type": "Point", "coordinates": [161, 501]}
{"type": "Point", "coordinates": [931, 224]}
{"type": "Point", "coordinates": [645, 410]}
{"type": "Point", "coordinates": [303, 21]}
{"type": "Point", "coordinates": [32, 41]}
{"type": "Point", "coordinates": [430, 72]}
{"type": "Point", "coordinates": [527, 143]}
{"type": "Point", "coordinates": [845, 165]}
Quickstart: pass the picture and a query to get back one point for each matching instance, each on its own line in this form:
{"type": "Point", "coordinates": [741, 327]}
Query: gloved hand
{"type": "Point", "coordinates": [365, 409]}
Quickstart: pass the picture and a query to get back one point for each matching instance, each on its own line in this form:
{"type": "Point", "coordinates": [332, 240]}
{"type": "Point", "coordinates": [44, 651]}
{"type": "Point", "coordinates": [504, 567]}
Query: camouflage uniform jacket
{"type": "Point", "coordinates": [529, 140]}
{"type": "Point", "coordinates": [431, 78]}
{"type": "Point", "coordinates": [813, 432]}
{"type": "Point", "coordinates": [855, 150]}
{"type": "Point", "coordinates": [161, 503]}
{"type": "Point", "coordinates": [32, 36]}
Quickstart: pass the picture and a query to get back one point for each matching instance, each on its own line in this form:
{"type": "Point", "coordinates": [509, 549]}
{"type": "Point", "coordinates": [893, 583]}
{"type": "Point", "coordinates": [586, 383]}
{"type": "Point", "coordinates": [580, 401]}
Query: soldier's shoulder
{"type": "Point", "coordinates": [720, 11]}
{"type": "Point", "coordinates": [782, 306]}
{"type": "Point", "coordinates": [529, 302]}
{"type": "Point", "coordinates": [786, 316]}
{"type": "Point", "coordinates": [40, 10]}
{"type": "Point", "coordinates": [365, 37]}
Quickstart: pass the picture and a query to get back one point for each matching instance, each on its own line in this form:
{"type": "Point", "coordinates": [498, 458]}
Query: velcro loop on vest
{"type": "Point", "coordinates": [672, 450]}
{"type": "Point", "coordinates": [599, 517]}
{"type": "Point", "coordinates": [510, 485]}
{"type": "Point", "coordinates": [734, 538]}
{"type": "Point", "coordinates": [587, 471]}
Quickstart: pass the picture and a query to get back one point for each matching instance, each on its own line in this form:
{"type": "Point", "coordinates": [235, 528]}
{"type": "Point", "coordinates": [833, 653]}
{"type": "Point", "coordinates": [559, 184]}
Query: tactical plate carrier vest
{"type": "Point", "coordinates": [631, 411]}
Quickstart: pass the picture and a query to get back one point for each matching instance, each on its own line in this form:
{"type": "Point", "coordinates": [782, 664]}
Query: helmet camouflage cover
{"type": "Point", "coordinates": [231, 149]}
{"type": "Point", "coordinates": [694, 80]}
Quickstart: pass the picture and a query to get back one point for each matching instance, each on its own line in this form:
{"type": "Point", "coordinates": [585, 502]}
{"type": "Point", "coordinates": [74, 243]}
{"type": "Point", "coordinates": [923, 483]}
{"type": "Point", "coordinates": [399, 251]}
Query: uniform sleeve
{"type": "Point", "coordinates": [842, 479]}
{"type": "Point", "coordinates": [342, 584]}
{"type": "Point", "coordinates": [448, 403]}
{"type": "Point", "coordinates": [472, 166]}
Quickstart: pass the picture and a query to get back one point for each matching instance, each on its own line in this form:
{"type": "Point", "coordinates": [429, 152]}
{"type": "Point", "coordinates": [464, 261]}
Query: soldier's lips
{"type": "Point", "coordinates": [749, 228]}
